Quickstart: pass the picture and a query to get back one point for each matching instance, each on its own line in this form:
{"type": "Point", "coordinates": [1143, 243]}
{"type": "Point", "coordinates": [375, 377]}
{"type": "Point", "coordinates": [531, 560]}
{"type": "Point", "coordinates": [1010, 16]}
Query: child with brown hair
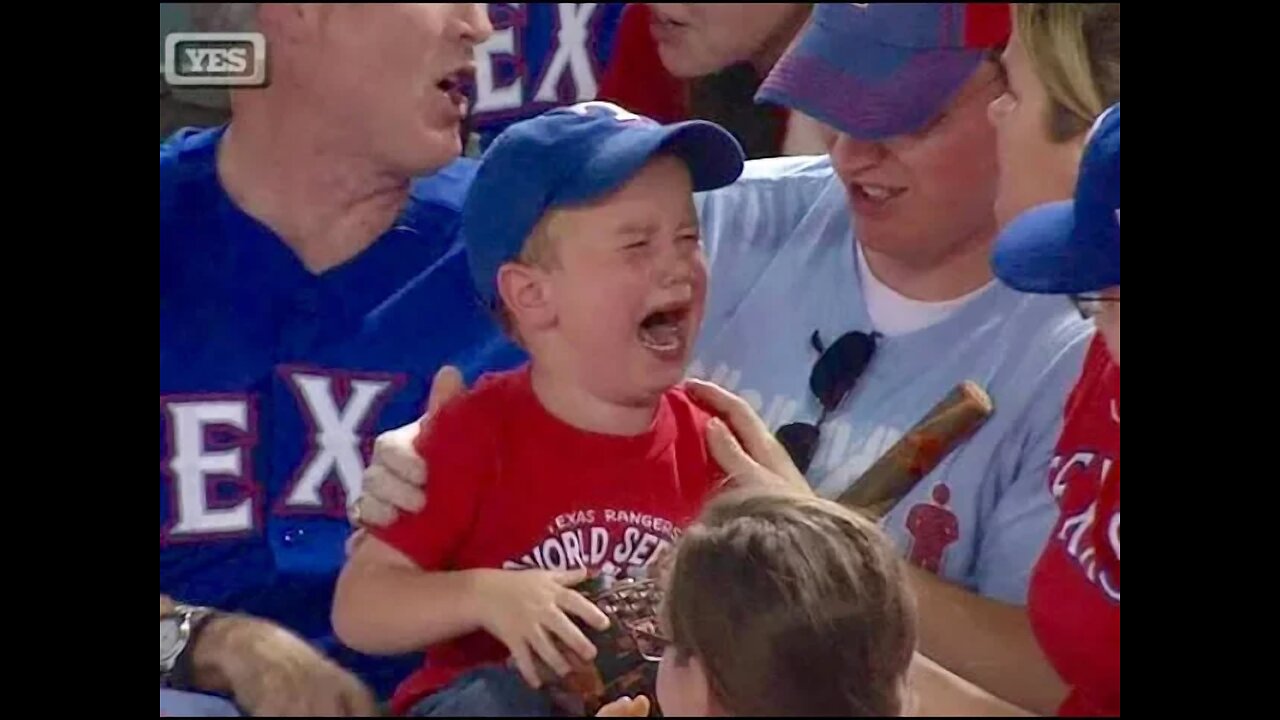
{"type": "Point", "coordinates": [783, 604]}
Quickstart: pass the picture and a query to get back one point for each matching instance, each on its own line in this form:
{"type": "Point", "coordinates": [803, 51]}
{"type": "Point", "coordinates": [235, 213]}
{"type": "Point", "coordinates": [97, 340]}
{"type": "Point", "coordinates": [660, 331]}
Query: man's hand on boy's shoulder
{"type": "Point", "coordinates": [741, 443]}
{"type": "Point", "coordinates": [396, 479]}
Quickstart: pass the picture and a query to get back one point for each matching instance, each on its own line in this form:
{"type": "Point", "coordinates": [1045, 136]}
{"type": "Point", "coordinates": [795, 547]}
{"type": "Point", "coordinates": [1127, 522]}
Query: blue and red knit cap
{"type": "Point", "coordinates": [876, 70]}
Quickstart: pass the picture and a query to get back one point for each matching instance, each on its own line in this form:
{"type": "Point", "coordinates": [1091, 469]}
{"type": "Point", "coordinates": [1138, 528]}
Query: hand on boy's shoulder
{"type": "Point", "coordinates": [696, 419]}
{"type": "Point", "coordinates": [740, 443]}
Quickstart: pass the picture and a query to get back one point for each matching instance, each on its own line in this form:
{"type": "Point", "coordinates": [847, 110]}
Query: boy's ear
{"type": "Point", "coordinates": [526, 292]}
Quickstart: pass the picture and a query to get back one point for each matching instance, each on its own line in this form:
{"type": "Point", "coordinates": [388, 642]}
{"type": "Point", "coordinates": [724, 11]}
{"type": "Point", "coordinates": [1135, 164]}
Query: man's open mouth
{"type": "Point", "coordinates": [456, 85]}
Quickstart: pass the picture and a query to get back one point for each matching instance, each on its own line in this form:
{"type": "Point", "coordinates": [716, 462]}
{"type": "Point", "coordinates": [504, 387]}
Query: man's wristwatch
{"type": "Point", "coordinates": [178, 632]}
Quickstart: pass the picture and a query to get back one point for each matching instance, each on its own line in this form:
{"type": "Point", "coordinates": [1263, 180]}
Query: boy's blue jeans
{"type": "Point", "coordinates": [492, 691]}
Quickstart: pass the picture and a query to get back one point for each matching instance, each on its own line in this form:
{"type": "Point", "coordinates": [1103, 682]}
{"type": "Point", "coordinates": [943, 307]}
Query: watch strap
{"type": "Point", "coordinates": [183, 673]}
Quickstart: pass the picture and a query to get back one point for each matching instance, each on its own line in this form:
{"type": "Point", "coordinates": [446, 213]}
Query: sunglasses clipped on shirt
{"type": "Point", "coordinates": [834, 376]}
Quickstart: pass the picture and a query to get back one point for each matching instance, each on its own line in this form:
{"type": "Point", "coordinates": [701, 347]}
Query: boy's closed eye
{"type": "Point", "coordinates": [634, 236]}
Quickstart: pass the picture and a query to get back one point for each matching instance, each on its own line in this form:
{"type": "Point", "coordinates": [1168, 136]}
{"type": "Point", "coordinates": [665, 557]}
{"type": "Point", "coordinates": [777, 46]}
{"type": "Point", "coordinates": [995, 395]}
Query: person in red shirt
{"type": "Point", "coordinates": [1074, 599]}
{"type": "Point", "coordinates": [675, 61]}
{"type": "Point", "coordinates": [582, 236]}
{"type": "Point", "coordinates": [1057, 127]}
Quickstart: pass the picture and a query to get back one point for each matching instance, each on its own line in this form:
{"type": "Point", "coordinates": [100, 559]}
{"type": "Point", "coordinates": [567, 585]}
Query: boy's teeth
{"type": "Point", "coordinates": [661, 336]}
{"type": "Point", "coordinates": [875, 192]}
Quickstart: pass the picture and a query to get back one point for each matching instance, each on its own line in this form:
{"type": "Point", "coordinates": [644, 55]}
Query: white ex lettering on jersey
{"type": "Point", "coordinates": [192, 465]}
{"type": "Point", "coordinates": [337, 430]}
{"type": "Point", "coordinates": [336, 436]}
{"type": "Point", "coordinates": [570, 56]}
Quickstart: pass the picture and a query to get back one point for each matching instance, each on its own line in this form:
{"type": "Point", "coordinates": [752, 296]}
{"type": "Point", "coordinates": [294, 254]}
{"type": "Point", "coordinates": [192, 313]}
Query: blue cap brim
{"type": "Point", "coordinates": [1037, 253]}
{"type": "Point", "coordinates": [714, 157]}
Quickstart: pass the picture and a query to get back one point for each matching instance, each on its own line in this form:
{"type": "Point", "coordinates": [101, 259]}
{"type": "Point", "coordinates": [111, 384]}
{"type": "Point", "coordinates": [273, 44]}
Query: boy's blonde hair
{"type": "Point", "coordinates": [1074, 50]}
{"type": "Point", "coordinates": [794, 605]}
{"type": "Point", "coordinates": [539, 250]}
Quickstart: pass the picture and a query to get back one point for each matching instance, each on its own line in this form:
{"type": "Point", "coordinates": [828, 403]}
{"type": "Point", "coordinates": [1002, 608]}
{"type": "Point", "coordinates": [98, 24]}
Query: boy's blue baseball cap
{"type": "Point", "coordinates": [877, 70]}
{"type": "Point", "coordinates": [573, 155]}
{"type": "Point", "coordinates": [1072, 246]}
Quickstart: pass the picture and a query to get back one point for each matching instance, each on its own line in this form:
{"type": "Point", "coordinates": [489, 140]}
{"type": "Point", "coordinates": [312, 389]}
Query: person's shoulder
{"type": "Point", "coordinates": [1041, 346]}
{"type": "Point", "coordinates": [690, 418]}
{"type": "Point", "coordinates": [434, 208]}
{"type": "Point", "coordinates": [187, 157]}
{"type": "Point", "coordinates": [1047, 324]}
{"type": "Point", "coordinates": [474, 414]}
{"type": "Point", "coordinates": [699, 471]}
{"type": "Point", "coordinates": [799, 175]}
{"type": "Point", "coordinates": [765, 205]}
{"type": "Point", "coordinates": [799, 168]}
{"type": "Point", "coordinates": [446, 188]}
{"type": "Point", "coordinates": [771, 193]}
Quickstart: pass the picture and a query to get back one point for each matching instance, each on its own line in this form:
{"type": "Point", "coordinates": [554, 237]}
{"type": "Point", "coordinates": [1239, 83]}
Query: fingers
{"type": "Point", "coordinates": [549, 653]}
{"type": "Point", "coordinates": [626, 707]}
{"type": "Point", "coordinates": [383, 486]}
{"type": "Point", "coordinates": [354, 540]}
{"type": "Point", "coordinates": [571, 635]}
{"type": "Point", "coordinates": [446, 385]}
{"type": "Point", "coordinates": [355, 700]}
{"type": "Point", "coordinates": [736, 411]}
{"type": "Point", "coordinates": [569, 578]}
{"type": "Point", "coordinates": [524, 664]}
{"type": "Point", "coordinates": [394, 451]}
{"type": "Point", "coordinates": [375, 513]}
{"type": "Point", "coordinates": [728, 453]}
{"type": "Point", "coordinates": [574, 602]}
{"type": "Point", "coordinates": [742, 443]}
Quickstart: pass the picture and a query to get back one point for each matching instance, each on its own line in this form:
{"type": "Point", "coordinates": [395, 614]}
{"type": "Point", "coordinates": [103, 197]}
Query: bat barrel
{"type": "Point", "coordinates": [917, 453]}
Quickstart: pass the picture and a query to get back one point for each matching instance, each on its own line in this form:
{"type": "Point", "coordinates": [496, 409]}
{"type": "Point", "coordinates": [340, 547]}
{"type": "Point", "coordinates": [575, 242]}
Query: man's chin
{"type": "Point", "coordinates": [432, 149]}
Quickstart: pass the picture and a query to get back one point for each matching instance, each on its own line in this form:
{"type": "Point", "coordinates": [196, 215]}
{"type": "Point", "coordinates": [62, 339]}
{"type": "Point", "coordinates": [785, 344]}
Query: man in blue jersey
{"type": "Point", "coordinates": [889, 236]}
{"type": "Point", "coordinates": [311, 285]}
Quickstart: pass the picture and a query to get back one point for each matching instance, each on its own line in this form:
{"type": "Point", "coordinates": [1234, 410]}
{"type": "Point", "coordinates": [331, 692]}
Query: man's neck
{"type": "Point", "coordinates": [575, 405]}
{"type": "Point", "coordinates": [328, 205]}
{"type": "Point", "coordinates": [961, 271]}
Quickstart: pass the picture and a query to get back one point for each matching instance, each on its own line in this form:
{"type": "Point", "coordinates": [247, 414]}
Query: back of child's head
{"type": "Point", "coordinates": [792, 605]}
{"type": "Point", "coordinates": [569, 157]}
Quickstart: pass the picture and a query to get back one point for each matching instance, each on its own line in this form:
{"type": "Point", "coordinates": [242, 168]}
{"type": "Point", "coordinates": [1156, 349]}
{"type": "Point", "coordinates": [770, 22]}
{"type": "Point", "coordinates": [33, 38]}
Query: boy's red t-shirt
{"type": "Point", "coordinates": [1074, 598]}
{"type": "Point", "coordinates": [513, 487]}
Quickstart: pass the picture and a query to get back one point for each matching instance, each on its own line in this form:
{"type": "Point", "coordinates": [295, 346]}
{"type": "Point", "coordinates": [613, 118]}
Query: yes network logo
{"type": "Point", "coordinates": [215, 59]}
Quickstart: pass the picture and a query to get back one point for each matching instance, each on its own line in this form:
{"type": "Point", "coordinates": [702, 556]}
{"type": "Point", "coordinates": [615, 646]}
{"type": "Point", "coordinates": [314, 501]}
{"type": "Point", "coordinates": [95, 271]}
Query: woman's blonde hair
{"type": "Point", "coordinates": [1074, 50]}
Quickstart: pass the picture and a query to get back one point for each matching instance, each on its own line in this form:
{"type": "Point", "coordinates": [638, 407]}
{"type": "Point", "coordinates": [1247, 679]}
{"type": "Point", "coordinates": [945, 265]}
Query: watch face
{"type": "Point", "coordinates": [170, 634]}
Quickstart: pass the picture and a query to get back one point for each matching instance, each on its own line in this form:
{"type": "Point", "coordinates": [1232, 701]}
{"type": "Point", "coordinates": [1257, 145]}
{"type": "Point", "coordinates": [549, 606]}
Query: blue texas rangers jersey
{"type": "Point", "coordinates": [275, 381]}
{"type": "Point", "coordinates": [540, 55]}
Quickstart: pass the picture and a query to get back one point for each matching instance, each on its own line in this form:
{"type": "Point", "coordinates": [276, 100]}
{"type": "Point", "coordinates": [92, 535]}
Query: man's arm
{"type": "Point", "coordinates": [937, 692]}
{"type": "Point", "coordinates": [269, 670]}
{"type": "Point", "coordinates": [986, 638]}
{"type": "Point", "coordinates": [986, 642]}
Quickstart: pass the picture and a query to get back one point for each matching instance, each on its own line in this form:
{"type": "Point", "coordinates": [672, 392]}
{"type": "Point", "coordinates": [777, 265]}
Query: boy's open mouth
{"type": "Point", "coordinates": [663, 329]}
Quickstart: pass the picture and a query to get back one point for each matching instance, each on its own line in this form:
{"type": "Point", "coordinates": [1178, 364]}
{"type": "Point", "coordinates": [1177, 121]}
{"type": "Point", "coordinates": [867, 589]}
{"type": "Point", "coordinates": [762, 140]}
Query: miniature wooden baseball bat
{"type": "Point", "coordinates": [952, 421]}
